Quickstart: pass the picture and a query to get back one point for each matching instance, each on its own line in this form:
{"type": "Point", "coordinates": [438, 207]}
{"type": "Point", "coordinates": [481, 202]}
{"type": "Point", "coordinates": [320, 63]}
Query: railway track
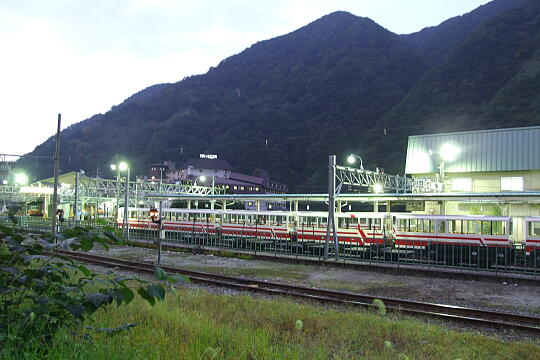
{"type": "Point", "coordinates": [441, 311]}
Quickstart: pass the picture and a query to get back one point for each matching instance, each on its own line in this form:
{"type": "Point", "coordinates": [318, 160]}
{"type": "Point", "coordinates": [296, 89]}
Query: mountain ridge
{"type": "Point", "coordinates": [284, 104]}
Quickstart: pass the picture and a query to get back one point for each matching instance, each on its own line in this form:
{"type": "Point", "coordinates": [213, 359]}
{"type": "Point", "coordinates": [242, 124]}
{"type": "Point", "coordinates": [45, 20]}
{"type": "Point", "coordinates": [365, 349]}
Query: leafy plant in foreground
{"type": "Point", "coordinates": [42, 291]}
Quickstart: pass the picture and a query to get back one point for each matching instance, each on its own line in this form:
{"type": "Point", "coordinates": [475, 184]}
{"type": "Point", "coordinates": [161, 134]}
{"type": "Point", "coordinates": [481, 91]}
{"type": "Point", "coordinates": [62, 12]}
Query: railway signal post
{"type": "Point", "coordinates": [331, 208]}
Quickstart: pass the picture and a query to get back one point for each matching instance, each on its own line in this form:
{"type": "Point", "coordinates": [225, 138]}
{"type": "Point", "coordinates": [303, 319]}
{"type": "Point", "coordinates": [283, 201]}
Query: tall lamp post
{"type": "Point", "coordinates": [351, 159]}
{"type": "Point", "coordinates": [20, 180]}
{"type": "Point", "coordinates": [115, 168]}
{"type": "Point", "coordinates": [203, 179]}
{"type": "Point", "coordinates": [125, 225]}
{"type": "Point", "coordinates": [447, 152]}
{"type": "Point", "coordinates": [123, 166]}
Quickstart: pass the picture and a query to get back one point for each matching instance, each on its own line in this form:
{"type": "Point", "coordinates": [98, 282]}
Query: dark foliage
{"type": "Point", "coordinates": [42, 291]}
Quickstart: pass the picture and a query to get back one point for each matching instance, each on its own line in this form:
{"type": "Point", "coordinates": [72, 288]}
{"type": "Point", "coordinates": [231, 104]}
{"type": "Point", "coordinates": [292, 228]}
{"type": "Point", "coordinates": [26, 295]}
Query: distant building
{"type": "Point", "coordinates": [159, 171]}
{"type": "Point", "coordinates": [220, 173]}
{"type": "Point", "coordinates": [500, 160]}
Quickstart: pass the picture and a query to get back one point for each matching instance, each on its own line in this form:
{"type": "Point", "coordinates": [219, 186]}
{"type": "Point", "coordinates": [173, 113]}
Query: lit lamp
{"type": "Point", "coordinates": [123, 166]}
{"type": "Point", "coordinates": [378, 188]}
{"type": "Point", "coordinates": [202, 178]}
{"type": "Point", "coordinates": [447, 152]}
{"type": "Point", "coordinates": [21, 179]}
{"type": "Point", "coordinates": [351, 159]}
{"type": "Point", "coordinates": [154, 215]}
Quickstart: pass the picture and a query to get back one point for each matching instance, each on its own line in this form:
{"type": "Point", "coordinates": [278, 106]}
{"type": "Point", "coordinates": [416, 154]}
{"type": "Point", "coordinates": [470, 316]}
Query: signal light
{"type": "Point", "coordinates": [154, 214]}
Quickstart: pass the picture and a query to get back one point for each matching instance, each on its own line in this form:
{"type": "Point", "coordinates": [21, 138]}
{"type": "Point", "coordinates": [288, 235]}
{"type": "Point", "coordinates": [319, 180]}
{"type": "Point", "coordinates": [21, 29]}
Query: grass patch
{"type": "Point", "coordinates": [199, 325]}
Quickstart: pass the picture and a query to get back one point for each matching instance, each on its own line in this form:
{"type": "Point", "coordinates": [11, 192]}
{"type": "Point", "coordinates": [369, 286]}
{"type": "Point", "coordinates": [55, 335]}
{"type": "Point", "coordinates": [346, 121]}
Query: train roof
{"type": "Point", "coordinates": [369, 215]}
{"type": "Point", "coordinates": [452, 217]}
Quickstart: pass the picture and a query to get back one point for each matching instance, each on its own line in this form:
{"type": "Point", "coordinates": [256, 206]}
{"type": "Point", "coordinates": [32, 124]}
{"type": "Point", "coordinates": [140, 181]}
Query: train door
{"type": "Point", "coordinates": [532, 235]}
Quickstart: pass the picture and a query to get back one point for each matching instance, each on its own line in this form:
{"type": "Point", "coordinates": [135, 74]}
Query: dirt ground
{"type": "Point", "coordinates": [497, 295]}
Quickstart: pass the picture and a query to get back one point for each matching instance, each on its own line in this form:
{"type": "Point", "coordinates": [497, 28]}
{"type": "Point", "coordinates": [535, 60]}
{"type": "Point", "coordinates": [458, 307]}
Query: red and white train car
{"type": "Point", "coordinates": [420, 230]}
{"type": "Point", "coordinates": [363, 229]}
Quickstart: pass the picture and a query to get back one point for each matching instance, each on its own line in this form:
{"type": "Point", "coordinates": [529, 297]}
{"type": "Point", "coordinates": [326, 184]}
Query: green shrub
{"type": "Point", "coordinates": [42, 291]}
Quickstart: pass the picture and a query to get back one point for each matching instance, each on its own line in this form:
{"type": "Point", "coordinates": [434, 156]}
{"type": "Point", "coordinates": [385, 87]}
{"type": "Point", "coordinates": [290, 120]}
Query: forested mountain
{"type": "Point", "coordinates": [435, 42]}
{"type": "Point", "coordinates": [492, 80]}
{"type": "Point", "coordinates": [339, 84]}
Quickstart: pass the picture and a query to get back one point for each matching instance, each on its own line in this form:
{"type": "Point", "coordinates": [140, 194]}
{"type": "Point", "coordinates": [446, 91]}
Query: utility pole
{"type": "Point", "coordinates": [125, 225]}
{"type": "Point", "coordinates": [56, 169]}
{"type": "Point", "coordinates": [160, 231]}
{"type": "Point", "coordinates": [331, 208]}
{"type": "Point", "coordinates": [76, 205]}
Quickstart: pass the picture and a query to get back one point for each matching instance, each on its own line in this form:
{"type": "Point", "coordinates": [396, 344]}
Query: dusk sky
{"type": "Point", "coordinates": [80, 57]}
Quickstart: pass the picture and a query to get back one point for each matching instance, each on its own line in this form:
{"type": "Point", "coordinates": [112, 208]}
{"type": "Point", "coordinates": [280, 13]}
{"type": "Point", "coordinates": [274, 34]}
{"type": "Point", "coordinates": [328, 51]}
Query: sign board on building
{"type": "Point", "coordinates": [208, 156]}
{"type": "Point", "coordinates": [415, 206]}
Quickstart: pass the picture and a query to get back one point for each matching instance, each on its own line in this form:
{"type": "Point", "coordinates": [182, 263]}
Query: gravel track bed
{"type": "Point", "coordinates": [510, 297]}
{"type": "Point", "coordinates": [523, 299]}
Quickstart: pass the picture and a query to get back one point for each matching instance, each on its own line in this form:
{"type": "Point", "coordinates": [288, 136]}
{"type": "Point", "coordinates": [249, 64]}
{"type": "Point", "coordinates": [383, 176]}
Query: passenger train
{"type": "Point", "coordinates": [454, 238]}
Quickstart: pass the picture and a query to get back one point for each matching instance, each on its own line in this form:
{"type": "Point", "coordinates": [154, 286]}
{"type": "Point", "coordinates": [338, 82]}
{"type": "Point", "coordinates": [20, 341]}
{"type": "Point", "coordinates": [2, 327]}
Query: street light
{"type": "Point", "coordinates": [203, 178]}
{"type": "Point", "coordinates": [352, 159]}
{"type": "Point", "coordinates": [115, 168]}
{"type": "Point", "coordinates": [377, 188]}
{"type": "Point", "coordinates": [447, 152]}
{"type": "Point", "coordinates": [21, 179]}
{"type": "Point", "coordinates": [123, 166]}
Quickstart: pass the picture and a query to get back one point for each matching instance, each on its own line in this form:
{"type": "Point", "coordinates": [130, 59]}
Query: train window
{"type": "Point", "coordinates": [374, 224]}
{"type": "Point", "coordinates": [308, 221]}
{"type": "Point", "coordinates": [487, 227]}
{"type": "Point", "coordinates": [441, 226]}
{"type": "Point", "coordinates": [415, 225]}
{"type": "Point", "coordinates": [428, 226]}
{"type": "Point", "coordinates": [473, 227]}
{"type": "Point", "coordinates": [454, 227]}
{"type": "Point", "coordinates": [498, 228]}
{"type": "Point", "coordinates": [403, 225]}
{"type": "Point", "coordinates": [534, 228]}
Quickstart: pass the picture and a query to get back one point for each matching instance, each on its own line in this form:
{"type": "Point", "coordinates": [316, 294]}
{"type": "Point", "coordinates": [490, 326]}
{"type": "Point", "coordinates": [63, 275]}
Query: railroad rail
{"type": "Point", "coordinates": [446, 312]}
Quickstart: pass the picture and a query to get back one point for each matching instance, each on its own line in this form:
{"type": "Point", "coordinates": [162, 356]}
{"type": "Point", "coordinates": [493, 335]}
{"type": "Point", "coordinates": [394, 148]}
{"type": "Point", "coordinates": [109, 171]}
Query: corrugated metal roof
{"type": "Point", "coordinates": [511, 149]}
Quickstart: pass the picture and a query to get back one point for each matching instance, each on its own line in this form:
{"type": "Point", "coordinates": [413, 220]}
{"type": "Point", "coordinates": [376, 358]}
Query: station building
{"type": "Point", "coordinates": [485, 161]}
